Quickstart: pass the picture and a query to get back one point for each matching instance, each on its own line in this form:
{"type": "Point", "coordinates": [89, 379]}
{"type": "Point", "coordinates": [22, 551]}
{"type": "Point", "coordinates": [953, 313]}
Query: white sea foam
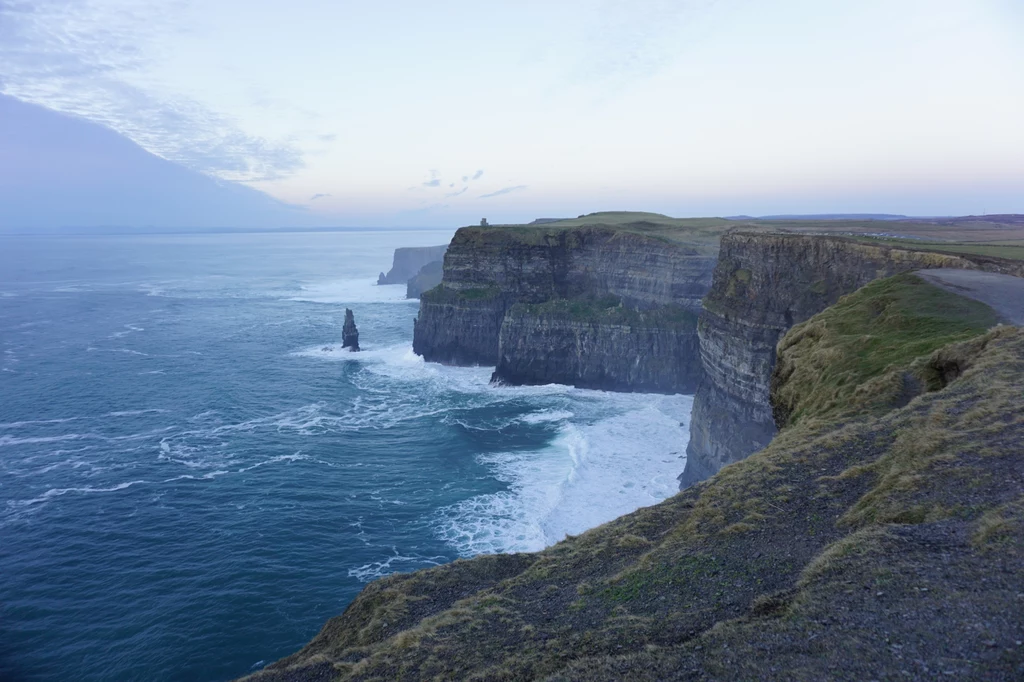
{"type": "Point", "coordinates": [34, 422]}
{"type": "Point", "coordinates": [361, 290]}
{"type": "Point", "coordinates": [205, 477]}
{"type": "Point", "coordinates": [546, 416]}
{"type": "Point", "coordinates": [57, 492]}
{"type": "Point", "coordinates": [594, 471]}
{"type": "Point", "coordinates": [133, 413]}
{"type": "Point", "coordinates": [393, 564]}
{"type": "Point", "coordinates": [11, 440]}
{"type": "Point", "coordinates": [297, 457]}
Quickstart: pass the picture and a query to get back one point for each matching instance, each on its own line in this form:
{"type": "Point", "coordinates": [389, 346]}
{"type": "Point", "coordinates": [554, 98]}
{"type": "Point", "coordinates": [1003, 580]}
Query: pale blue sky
{"type": "Point", "coordinates": [439, 113]}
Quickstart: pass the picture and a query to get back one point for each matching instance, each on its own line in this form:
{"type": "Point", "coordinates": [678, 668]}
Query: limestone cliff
{"type": "Point", "coordinates": [765, 283]}
{"type": "Point", "coordinates": [599, 345]}
{"type": "Point", "coordinates": [644, 266]}
{"type": "Point", "coordinates": [427, 278]}
{"type": "Point", "coordinates": [408, 261]}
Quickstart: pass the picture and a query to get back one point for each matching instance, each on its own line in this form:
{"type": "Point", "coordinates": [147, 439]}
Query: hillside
{"type": "Point", "coordinates": [879, 536]}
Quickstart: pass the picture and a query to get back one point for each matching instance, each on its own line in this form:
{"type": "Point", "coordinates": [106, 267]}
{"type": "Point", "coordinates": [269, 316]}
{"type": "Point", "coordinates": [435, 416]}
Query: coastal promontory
{"type": "Point", "coordinates": [877, 536]}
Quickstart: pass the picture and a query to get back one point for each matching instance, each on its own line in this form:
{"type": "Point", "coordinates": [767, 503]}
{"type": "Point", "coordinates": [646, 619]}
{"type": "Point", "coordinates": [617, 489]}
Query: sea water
{"type": "Point", "coordinates": [194, 476]}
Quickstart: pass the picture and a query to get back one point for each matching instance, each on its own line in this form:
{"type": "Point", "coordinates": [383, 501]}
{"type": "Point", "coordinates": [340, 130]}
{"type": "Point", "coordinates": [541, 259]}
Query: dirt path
{"type": "Point", "coordinates": [1002, 293]}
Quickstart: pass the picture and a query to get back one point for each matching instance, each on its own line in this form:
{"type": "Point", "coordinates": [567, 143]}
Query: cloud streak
{"type": "Point", "coordinates": [504, 190]}
{"type": "Point", "coordinates": [79, 57]}
{"type": "Point", "coordinates": [435, 179]}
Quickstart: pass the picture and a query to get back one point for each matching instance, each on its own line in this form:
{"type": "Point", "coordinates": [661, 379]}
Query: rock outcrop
{"type": "Point", "coordinates": [469, 318]}
{"type": "Point", "coordinates": [765, 283]}
{"type": "Point", "coordinates": [349, 332]}
{"type": "Point", "coordinates": [409, 260]}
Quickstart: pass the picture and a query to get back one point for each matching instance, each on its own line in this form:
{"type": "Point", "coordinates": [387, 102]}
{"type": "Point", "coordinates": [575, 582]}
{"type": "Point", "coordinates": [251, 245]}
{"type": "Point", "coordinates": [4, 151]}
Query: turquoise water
{"type": "Point", "coordinates": [194, 476]}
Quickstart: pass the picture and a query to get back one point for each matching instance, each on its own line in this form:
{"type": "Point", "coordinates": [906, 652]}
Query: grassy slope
{"type": "Point", "coordinates": [886, 542]}
{"type": "Point", "coordinates": [1010, 250]}
{"type": "Point", "coordinates": [609, 310]}
{"type": "Point", "coordinates": [838, 361]}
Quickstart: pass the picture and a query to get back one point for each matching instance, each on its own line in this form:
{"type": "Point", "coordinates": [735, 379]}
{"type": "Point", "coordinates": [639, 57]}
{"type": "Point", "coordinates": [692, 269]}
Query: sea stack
{"type": "Point", "coordinates": [349, 333]}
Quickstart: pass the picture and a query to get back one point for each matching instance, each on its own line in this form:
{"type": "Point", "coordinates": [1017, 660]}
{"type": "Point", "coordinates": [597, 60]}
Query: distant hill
{"type": "Point", "coordinates": [60, 171]}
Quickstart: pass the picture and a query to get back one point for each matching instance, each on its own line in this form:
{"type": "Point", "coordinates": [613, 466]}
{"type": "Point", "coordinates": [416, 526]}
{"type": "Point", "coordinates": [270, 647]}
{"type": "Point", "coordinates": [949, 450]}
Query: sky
{"type": "Point", "coordinates": [436, 114]}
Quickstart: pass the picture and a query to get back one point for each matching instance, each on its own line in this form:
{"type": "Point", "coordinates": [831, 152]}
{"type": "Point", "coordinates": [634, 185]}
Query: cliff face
{"type": "Point", "coordinates": [653, 351]}
{"type": "Point", "coordinates": [459, 327]}
{"type": "Point", "coordinates": [408, 261]}
{"type": "Point", "coordinates": [763, 285]}
{"type": "Point", "coordinates": [489, 270]}
{"type": "Point", "coordinates": [427, 278]}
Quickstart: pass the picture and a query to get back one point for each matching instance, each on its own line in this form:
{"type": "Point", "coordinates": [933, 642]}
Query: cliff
{"type": "Point", "coordinates": [427, 278]}
{"type": "Point", "coordinates": [601, 345]}
{"type": "Point", "coordinates": [763, 285]}
{"type": "Point", "coordinates": [648, 264]}
{"type": "Point", "coordinates": [408, 261]}
{"type": "Point", "coordinates": [879, 536]}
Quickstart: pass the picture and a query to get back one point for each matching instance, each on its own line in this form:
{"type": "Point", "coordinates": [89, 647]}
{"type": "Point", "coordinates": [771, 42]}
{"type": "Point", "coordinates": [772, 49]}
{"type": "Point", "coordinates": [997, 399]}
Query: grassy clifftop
{"type": "Point", "coordinates": [883, 541]}
{"type": "Point", "coordinates": [862, 353]}
{"type": "Point", "coordinates": [698, 233]}
{"type": "Point", "coordinates": [609, 310]}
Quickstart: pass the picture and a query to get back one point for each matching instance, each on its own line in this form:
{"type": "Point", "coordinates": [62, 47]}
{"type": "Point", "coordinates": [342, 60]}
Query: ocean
{"type": "Point", "coordinates": [194, 476]}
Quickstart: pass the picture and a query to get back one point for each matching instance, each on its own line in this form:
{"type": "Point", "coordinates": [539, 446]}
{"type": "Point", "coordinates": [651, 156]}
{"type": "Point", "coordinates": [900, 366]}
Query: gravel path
{"type": "Point", "coordinates": [1003, 293]}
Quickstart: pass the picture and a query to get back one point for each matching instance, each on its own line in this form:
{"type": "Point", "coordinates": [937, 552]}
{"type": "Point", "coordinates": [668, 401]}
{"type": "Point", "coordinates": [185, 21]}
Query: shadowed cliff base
{"type": "Point", "coordinates": [879, 536]}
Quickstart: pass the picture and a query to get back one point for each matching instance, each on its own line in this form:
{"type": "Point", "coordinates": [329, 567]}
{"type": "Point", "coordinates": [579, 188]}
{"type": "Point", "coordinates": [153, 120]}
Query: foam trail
{"type": "Point", "coordinates": [592, 472]}
{"type": "Point", "coordinates": [393, 564]}
{"type": "Point", "coordinates": [361, 290]}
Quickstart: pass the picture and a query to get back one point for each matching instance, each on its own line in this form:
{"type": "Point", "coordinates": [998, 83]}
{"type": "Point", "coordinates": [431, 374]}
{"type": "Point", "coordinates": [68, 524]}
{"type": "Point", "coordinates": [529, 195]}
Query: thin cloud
{"type": "Point", "coordinates": [319, 196]}
{"type": "Point", "coordinates": [479, 174]}
{"type": "Point", "coordinates": [435, 179]}
{"type": "Point", "coordinates": [622, 42]}
{"type": "Point", "coordinates": [504, 190]}
{"type": "Point", "coordinates": [75, 57]}
{"type": "Point", "coordinates": [455, 194]}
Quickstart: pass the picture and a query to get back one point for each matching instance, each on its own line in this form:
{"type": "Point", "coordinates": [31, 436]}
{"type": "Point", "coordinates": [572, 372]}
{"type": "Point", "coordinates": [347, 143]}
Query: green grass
{"type": "Point", "coordinates": [609, 310]}
{"type": "Point", "coordinates": [825, 361]}
{"type": "Point", "coordinates": [445, 294]}
{"type": "Point", "coordinates": [1009, 250]}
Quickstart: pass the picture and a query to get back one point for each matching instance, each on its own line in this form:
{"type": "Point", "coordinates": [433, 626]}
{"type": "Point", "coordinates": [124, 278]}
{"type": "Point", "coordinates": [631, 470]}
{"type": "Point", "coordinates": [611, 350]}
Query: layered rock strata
{"type": "Point", "coordinates": [581, 344]}
{"type": "Point", "coordinates": [765, 283]}
{"type": "Point", "coordinates": [473, 318]}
